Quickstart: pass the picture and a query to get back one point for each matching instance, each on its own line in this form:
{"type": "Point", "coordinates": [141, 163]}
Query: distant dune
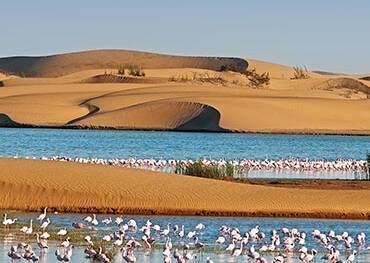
{"type": "Point", "coordinates": [180, 97]}
{"type": "Point", "coordinates": [62, 64]}
{"type": "Point", "coordinates": [71, 187]}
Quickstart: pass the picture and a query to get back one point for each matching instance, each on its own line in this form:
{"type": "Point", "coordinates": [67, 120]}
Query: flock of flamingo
{"type": "Point", "coordinates": [292, 164]}
{"type": "Point", "coordinates": [181, 244]}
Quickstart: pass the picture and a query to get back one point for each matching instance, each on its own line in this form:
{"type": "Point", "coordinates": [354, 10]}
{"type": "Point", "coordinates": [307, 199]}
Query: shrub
{"type": "Point", "coordinates": [257, 80]}
{"type": "Point", "coordinates": [135, 70]}
{"type": "Point", "coordinates": [207, 171]}
{"type": "Point", "coordinates": [300, 73]}
{"type": "Point", "coordinates": [121, 70]}
{"type": "Point", "coordinates": [200, 77]}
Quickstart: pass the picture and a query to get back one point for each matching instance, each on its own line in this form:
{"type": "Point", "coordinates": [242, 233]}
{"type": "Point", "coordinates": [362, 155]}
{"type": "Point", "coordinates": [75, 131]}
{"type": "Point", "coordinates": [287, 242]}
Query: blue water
{"type": "Point", "coordinates": [177, 145]}
{"type": "Point", "coordinates": [206, 236]}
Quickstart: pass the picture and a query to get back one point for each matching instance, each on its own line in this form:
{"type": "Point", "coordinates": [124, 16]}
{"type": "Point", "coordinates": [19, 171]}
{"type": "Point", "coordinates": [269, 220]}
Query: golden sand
{"type": "Point", "coordinates": [71, 187]}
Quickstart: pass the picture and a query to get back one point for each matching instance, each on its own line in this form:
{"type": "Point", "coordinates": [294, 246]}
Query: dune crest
{"type": "Point", "coordinates": [62, 64]}
{"type": "Point", "coordinates": [345, 83]}
{"type": "Point", "coordinates": [155, 115]}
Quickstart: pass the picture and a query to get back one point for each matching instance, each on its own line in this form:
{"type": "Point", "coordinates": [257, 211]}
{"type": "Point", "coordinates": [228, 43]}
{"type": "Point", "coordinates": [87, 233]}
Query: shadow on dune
{"type": "Point", "coordinates": [207, 120]}
{"type": "Point", "coordinates": [153, 115]}
{"type": "Point", "coordinates": [6, 121]}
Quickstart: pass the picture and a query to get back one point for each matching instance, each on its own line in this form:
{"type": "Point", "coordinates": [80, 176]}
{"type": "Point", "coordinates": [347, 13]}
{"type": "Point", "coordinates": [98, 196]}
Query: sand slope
{"type": "Point", "coordinates": [71, 187]}
{"type": "Point", "coordinates": [62, 64]}
{"type": "Point", "coordinates": [183, 98]}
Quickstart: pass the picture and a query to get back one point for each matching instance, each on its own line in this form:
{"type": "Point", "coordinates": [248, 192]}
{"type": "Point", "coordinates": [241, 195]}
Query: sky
{"type": "Point", "coordinates": [329, 35]}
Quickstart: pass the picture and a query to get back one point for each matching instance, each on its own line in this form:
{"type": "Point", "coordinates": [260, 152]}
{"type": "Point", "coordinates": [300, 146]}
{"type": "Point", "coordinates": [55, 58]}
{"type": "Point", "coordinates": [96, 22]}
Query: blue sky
{"type": "Point", "coordinates": [328, 35]}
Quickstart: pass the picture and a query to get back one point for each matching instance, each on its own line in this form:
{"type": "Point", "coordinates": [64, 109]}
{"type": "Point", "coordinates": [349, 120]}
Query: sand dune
{"type": "Point", "coordinates": [184, 98]}
{"type": "Point", "coordinates": [71, 187]}
{"type": "Point", "coordinates": [62, 64]}
{"type": "Point", "coordinates": [164, 115]}
{"type": "Point", "coordinates": [276, 71]}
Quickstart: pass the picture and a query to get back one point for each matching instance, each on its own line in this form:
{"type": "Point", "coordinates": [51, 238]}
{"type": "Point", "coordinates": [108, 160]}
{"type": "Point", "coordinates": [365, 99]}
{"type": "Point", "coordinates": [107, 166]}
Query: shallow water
{"type": "Point", "coordinates": [178, 145]}
{"type": "Point", "coordinates": [208, 236]}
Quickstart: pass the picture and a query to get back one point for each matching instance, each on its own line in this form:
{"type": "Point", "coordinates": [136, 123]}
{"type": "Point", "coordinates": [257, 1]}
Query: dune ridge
{"type": "Point", "coordinates": [62, 64]}
{"type": "Point", "coordinates": [70, 187]}
{"type": "Point", "coordinates": [164, 115]}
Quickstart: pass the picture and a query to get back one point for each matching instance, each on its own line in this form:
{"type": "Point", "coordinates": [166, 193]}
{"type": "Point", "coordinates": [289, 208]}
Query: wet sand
{"type": "Point", "coordinates": [30, 185]}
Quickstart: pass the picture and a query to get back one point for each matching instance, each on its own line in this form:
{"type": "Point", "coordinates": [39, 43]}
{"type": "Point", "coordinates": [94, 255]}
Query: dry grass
{"type": "Point", "coordinates": [300, 73]}
{"type": "Point", "coordinates": [200, 78]}
{"type": "Point", "coordinates": [257, 80]}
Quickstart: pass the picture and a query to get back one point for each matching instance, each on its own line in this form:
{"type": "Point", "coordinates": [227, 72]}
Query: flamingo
{"type": "Point", "coordinates": [43, 244]}
{"type": "Point", "coordinates": [13, 254]}
{"type": "Point", "coordinates": [45, 224]}
{"type": "Point", "coordinates": [90, 252]}
{"type": "Point", "coordinates": [45, 235]}
{"type": "Point", "coordinates": [8, 221]}
{"type": "Point", "coordinates": [66, 243]}
{"type": "Point", "coordinates": [62, 232]}
{"type": "Point", "coordinates": [127, 255]}
{"type": "Point", "coordinates": [119, 241]}
{"type": "Point", "coordinates": [107, 221]}
{"type": "Point", "coordinates": [238, 251]}
{"type": "Point", "coordinates": [27, 230]}
{"type": "Point", "coordinates": [231, 246]}
{"type": "Point", "coordinates": [43, 215]}
{"type": "Point", "coordinates": [102, 257]}
{"type": "Point", "coordinates": [351, 257]}
{"type": "Point", "coordinates": [94, 221]}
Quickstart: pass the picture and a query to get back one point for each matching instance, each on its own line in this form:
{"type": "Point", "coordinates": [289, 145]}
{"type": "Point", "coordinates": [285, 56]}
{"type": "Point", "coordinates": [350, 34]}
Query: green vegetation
{"type": "Point", "coordinates": [300, 73]}
{"type": "Point", "coordinates": [257, 80]}
{"type": "Point", "coordinates": [207, 171]}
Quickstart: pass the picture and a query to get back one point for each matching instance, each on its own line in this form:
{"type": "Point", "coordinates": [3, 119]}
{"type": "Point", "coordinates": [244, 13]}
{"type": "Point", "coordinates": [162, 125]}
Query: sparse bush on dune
{"type": "Point", "coordinates": [199, 77]}
{"type": "Point", "coordinates": [132, 70]}
{"type": "Point", "coordinates": [121, 70]}
{"type": "Point", "coordinates": [135, 70]}
{"type": "Point", "coordinates": [300, 73]}
{"type": "Point", "coordinates": [256, 80]}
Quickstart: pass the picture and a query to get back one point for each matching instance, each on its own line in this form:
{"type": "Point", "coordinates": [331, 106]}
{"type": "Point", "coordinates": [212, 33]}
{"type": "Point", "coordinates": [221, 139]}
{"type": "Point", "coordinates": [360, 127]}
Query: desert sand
{"type": "Point", "coordinates": [83, 90]}
{"type": "Point", "coordinates": [69, 187]}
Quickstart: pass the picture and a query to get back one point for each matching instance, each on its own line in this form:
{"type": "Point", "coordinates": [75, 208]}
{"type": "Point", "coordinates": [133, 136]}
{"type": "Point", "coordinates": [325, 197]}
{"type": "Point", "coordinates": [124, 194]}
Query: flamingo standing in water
{"type": "Point", "coordinates": [27, 230]}
{"type": "Point", "coordinates": [43, 244]}
{"type": "Point", "coordinates": [45, 224]}
{"type": "Point", "coordinates": [43, 215]}
{"type": "Point", "coordinates": [7, 222]}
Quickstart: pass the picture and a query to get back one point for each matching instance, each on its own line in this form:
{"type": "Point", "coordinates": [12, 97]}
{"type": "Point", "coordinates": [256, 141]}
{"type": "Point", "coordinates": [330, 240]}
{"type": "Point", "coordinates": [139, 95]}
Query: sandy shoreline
{"type": "Point", "coordinates": [277, 132]}
{"type": "Point", "coordinates": [29, 185]}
